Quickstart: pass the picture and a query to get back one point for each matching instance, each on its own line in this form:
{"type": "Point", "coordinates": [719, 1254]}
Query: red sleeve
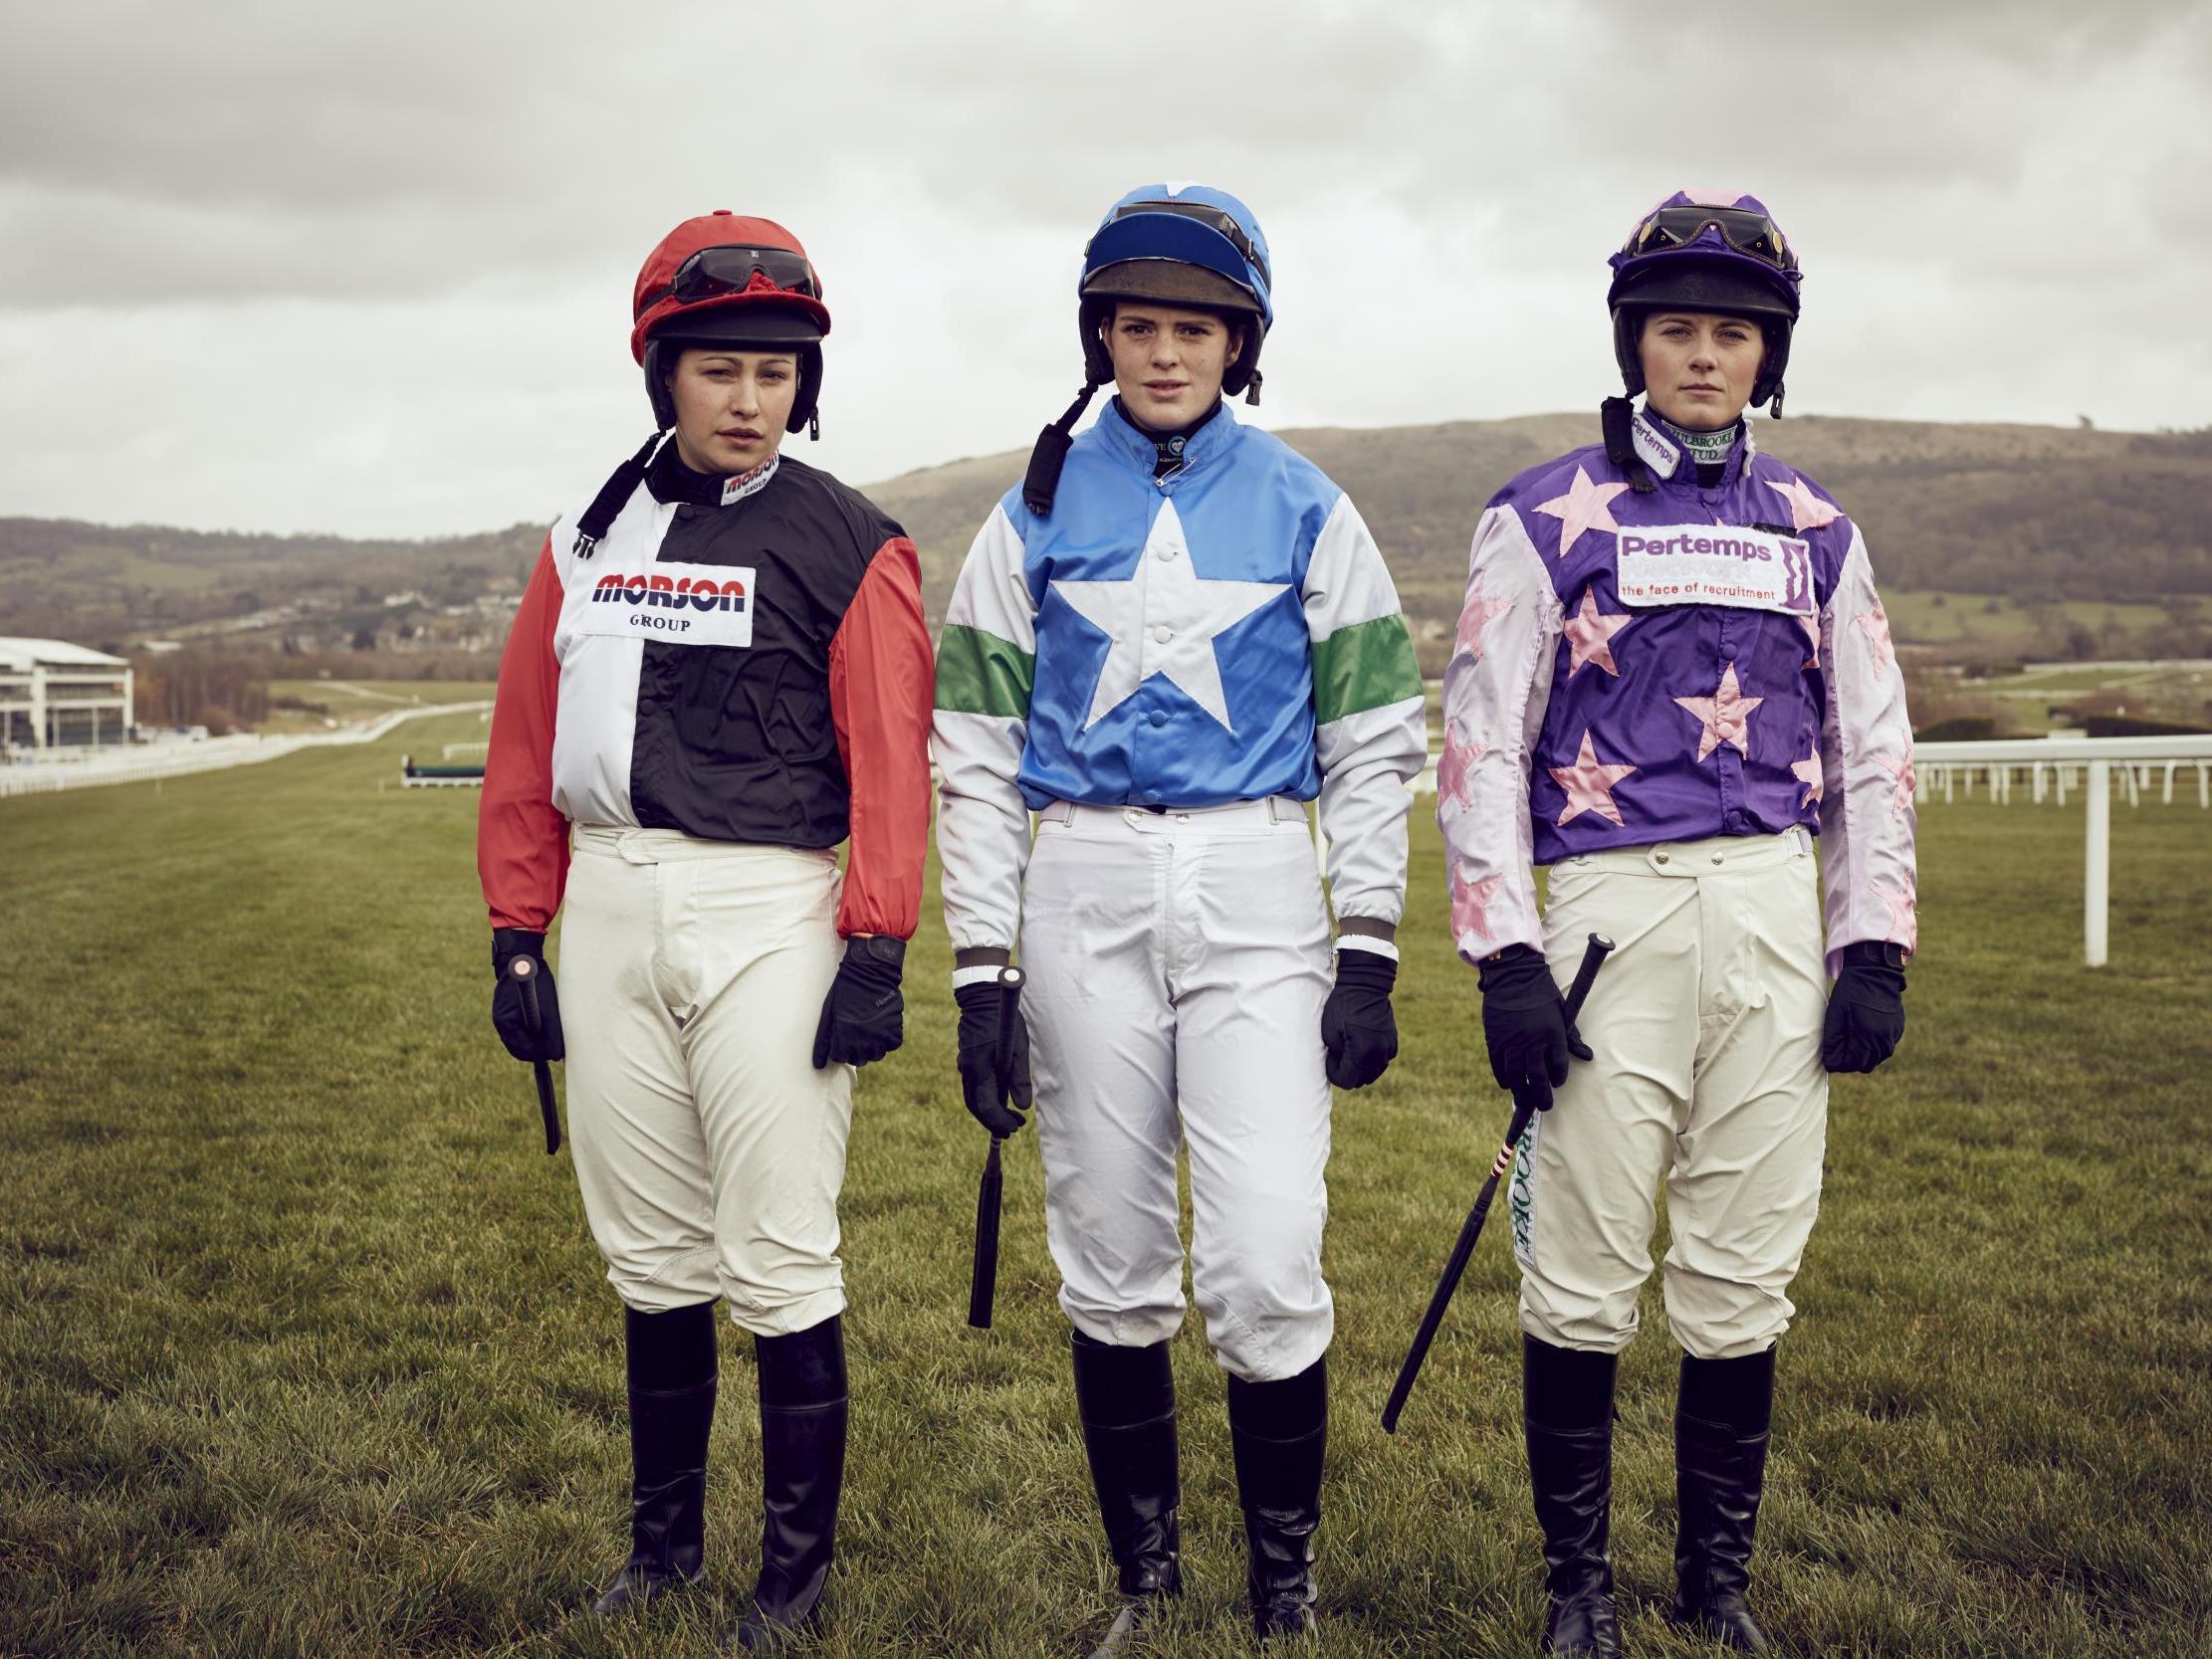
{"type": "Point", "coordinates": [522, 840]}
{"type": "Point", "coordinates": [882, 683]}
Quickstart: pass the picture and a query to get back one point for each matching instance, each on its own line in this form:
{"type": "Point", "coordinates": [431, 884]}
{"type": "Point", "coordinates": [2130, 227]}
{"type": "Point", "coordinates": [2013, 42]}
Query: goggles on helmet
{"type": "Point", "coordinates": [1214, 218]}
{"type": "Point", "coordinates": [1753, 234]}
{"type": "Point", "coordinates": [713, 272]}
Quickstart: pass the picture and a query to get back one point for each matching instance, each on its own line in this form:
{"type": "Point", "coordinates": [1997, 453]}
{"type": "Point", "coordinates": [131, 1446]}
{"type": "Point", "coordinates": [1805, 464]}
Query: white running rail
{"type": "Point", "coordinates": [215, 754]}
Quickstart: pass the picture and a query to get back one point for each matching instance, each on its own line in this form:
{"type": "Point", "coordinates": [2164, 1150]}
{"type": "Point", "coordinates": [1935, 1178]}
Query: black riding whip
{"type": "Point", "coordinates": [983, 1280]}
{"type": "Point", "coordinates": [1593, 956]}
{"type": "Point", "coordinates": [524, 971]}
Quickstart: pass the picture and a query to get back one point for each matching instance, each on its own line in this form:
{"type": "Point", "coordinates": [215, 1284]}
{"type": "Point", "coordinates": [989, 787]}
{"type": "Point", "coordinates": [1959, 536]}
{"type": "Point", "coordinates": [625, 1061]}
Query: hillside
{"type": "Point", "coordinates": [2042, 520]}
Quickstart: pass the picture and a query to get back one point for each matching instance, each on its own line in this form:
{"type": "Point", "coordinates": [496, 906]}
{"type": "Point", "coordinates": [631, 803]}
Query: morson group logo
{"type": "Point", "coordinates": [702, 594]}
{"type": "Point", "coordinates": [682, 604]}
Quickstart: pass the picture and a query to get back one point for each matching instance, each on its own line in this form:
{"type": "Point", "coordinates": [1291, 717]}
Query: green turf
{"type": "Point", "coordinates": [306, 1352]}
{"type": "Point", "coordinates": [1931, 617]}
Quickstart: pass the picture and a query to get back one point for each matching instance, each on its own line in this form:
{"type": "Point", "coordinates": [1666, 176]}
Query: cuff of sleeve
{"type": "Point", "coordinates": [1367, 942]}
{"type": "Point", "coordinates": [987, 974]}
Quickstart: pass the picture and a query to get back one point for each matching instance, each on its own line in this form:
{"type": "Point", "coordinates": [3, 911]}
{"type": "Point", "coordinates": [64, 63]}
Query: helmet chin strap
{"type": "Point", "coordinates": [1042, 481]}
{"type": "Point", "coordinates": [1615, 415]}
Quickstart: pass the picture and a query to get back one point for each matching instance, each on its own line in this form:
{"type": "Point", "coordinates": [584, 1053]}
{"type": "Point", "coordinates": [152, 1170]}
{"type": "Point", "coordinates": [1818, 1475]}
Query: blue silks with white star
{"type": "Point", "coordinates": [1174, 663]}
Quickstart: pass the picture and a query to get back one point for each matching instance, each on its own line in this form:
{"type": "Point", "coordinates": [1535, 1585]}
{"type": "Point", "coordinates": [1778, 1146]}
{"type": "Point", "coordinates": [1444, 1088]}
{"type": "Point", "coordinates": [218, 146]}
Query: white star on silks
{"type": "Point", "coordinates": [1163, 594]}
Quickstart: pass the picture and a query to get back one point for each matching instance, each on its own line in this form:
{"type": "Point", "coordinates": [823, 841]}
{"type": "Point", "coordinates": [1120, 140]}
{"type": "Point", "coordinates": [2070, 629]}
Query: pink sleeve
{"type": "Point", "coordinates": [1866, 803]}
{"type": "Point", "coordinates": [1495, 691]}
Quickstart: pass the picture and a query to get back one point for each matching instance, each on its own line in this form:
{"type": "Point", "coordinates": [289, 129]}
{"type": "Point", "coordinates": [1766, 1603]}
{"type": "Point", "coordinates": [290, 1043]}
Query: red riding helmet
{"type": "Point", "coordinates": [721, 280]}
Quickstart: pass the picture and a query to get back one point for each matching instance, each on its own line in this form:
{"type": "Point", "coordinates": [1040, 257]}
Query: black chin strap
{"type": "Point", "coordinates": [620, 486]}
{"type": "Point", "coordinates": [1615, 415]}
{"type": "Point", "coordinates": [1042, 482]}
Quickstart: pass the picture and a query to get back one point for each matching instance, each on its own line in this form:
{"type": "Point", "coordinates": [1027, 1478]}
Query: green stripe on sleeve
{"type": "Point", "coordinates": [978, 672]}
{"type": "Point", "coordinates": [1366, 666]}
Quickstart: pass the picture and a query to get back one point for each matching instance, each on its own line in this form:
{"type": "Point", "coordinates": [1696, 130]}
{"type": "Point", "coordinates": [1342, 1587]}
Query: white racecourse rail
{"type": "Point", "coordinates": [215, 754]}
{"type": "Point", "coordinates": [1940, 767]}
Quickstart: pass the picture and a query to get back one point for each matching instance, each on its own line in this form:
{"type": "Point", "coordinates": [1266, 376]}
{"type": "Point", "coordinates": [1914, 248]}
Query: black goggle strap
{"type": "Point", "coordinates": [1042, 481]}
{"type": "Point", "coordinates": [1216, 218]}
{"type": "Point", "coordinates": [620, 486]}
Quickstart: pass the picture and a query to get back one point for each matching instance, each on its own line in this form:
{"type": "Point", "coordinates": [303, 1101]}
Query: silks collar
{"type": "Point", "coordinates": [1658, 449]}
{"type": "Point", "coordinates": [1212, 437]}
{"type": "Point", "coordinates": [672, 480]}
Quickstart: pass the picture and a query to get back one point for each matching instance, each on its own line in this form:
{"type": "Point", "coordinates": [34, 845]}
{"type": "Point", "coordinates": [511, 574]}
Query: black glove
{"type": "Point", "coordinates": [863, 1015]}
{"type": "Point", "coordinates": [510, 1010]}
{"type": "Point", "coordinates": [987, 1010]}
{"type": "Point", "coordinates": [1357, 1030]}
{"type": "Point", "coordinates": [1866, 1010]}
{"type": "Point", "coordinates": [1524, 1020]}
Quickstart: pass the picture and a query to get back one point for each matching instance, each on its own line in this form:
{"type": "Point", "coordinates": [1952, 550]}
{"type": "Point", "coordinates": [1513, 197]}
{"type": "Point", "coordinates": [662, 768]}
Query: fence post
{"type": "Point", "coordinates": [2096, 886]}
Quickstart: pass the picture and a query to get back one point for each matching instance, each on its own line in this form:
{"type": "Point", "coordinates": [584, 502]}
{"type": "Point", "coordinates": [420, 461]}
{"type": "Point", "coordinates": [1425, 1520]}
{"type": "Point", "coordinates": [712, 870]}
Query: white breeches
{"type": "Point", "coordinates": [1706, 1026]}
{"type": "Point", "coordinates": [1177, 966]}
{"type": "Point", "coordinates": [709, 1148]}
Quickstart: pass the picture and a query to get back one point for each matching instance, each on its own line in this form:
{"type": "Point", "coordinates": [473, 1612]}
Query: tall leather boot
{"type": "Point", "coordinates": [1567, 1411]}
{"type": "Point", "coordinates": [671, 1364]}
{"type": "Point", "coordinates": [802, 1474]}
{"type": "Point", "coordinates": [1721, 1427]}
{"type": "Point", "coordinates": [1280, 1431]}
{"type": "Point", "coordinates": [1125, 1398]}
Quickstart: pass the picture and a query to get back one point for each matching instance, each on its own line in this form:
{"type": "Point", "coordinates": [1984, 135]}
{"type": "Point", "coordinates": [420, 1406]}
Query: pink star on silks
{"type": "Point", "coordinates": [1905, 921]}
{"type": "Point", "coordinates": [1901, 771]}
{"type": "Point", "coordinates": [1807, 510]}
{"type": "Point", "coordinates": [1875, 625]}
{"type": "Point", "coordinates": [1589, 785]}
{"type": "Point", "coordinates": [1471, 907]}
{"type": "Point", "coordinates": [1726, 714]}
{"type": "Point", "coordinates": [1808, 772]}
{"type": "Point", "coordinates": [1585, 507]}
{"type": "Point", "coordinates": [1455, 767]}
{"type": "Point", "coordinates": [1474, 619]}
{"type": "Point", "coordinates": [1590, 634]}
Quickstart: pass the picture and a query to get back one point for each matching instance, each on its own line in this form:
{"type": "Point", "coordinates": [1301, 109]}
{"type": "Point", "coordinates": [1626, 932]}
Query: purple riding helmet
{"type": "Point", "coordinates": [1707, 251]}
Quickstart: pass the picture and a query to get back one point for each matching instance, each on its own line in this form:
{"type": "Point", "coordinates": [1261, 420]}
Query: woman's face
{"type": "Point", "coordinates": [1700, 367]}
{"type": "Point", "coordinates": [731, 406]}
{"type": "Point", "coordinates": [1168, 364]}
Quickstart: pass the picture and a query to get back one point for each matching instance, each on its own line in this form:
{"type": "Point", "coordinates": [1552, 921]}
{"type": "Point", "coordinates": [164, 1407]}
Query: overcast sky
{"type": "Point", "coordinates": [367, 268]}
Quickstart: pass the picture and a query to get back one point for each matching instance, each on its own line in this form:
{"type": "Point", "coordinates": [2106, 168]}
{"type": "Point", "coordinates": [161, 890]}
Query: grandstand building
{"type": "Point", "coordinates": [54, 695]}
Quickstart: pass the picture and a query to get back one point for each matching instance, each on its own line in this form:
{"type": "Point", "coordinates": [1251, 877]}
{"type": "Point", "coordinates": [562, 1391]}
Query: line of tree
{"type": "Point", "coordinates": [223, 691]}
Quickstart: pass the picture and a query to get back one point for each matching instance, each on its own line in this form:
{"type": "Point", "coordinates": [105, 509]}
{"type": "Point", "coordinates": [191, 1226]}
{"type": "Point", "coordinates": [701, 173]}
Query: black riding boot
{"type": "Point", "coordinates": [1567, 1410]}
{"type": "Point", "coordinates": [1720, 1453]}
{"type": "Point", "coordinates": [1125, 1398]}
{"type": "Point", "coordinates": [671, 1363]}
{"type": "Point", "coordinates": [1280, 1431]}
{"type": "Point", "coordinates": [802, 1473]}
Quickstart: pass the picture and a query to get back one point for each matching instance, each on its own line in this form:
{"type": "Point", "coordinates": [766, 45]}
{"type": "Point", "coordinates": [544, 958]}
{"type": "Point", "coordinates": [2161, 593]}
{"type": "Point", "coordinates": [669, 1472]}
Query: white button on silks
{"type": "Point", "coordinates": [1161, 634]}
{"type": "Point", "coordinates": [1660, 858]}
{"type": "Point", "coordinates": [1166, 550]}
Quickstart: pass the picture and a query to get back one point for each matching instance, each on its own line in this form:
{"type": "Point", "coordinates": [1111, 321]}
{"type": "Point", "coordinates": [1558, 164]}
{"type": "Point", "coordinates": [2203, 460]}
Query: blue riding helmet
{"type": "Point", "coordinates": [1178, 244]}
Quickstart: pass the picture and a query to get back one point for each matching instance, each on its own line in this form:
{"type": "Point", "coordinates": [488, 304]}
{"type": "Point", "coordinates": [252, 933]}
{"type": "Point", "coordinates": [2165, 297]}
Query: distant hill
{"type": "Point", "coordinates": [2034, 514]}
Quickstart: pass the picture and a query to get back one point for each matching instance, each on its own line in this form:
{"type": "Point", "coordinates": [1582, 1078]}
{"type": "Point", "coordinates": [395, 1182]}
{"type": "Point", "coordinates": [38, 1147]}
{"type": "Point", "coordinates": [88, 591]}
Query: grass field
{"type": "Point", "coordinates": [306, 1352]}
{"type": "Point", "coordinates": [1928, 616]}
{"type": "Point", "coordinates": [357, 701]}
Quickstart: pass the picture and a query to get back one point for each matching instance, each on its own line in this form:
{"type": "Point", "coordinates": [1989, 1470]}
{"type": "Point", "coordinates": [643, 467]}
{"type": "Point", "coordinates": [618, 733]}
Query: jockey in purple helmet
{"type": "Point", "coordinates": [1673, 673]}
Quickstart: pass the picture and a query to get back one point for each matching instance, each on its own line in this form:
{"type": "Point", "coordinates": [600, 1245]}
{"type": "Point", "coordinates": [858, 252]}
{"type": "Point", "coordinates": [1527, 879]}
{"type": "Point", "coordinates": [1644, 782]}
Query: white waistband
{"type": "Point", "coordinates": [1275, 809]}
{"type": "Point", "coordinates": [666, 846]}
{"type": "Point", "coordinates": [1713, 855]}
